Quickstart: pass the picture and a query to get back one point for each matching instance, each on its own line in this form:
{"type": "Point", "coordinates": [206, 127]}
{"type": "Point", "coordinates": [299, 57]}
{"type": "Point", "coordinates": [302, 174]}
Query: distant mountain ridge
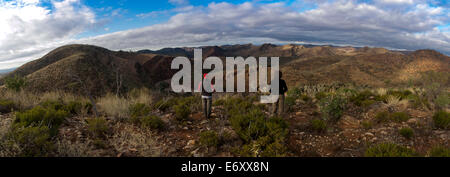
{"type": "Point", "coordinates": [111, 71]}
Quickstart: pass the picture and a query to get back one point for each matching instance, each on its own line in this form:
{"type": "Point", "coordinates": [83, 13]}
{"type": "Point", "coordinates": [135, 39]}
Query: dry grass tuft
{"type": "Point", "coordinates": [396, 103]}
{"type": "Point", "coordinates": [67, 148]}
{"type": "Point", "coordinates": [142, 96]}
{"type": "Point", "coordinates": [23, 99]}
{"type": "Point", "coordinates": [128, 138]}
{"type": "Point", "coordinates": [114, 106]}
{"type": "Point", "coordinates": [381, 91]}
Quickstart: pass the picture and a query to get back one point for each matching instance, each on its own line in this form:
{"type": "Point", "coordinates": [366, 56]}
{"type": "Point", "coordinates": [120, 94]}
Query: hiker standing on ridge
{"type": "Point", "coordinates": [278, 106]}
{"type": "Point", "coordinates": [206, 98]}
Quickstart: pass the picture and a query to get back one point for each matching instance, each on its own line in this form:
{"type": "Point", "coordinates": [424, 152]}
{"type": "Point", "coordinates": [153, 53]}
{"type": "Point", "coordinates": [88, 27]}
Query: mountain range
{"type": "Point", "coordinates": [74, 67]}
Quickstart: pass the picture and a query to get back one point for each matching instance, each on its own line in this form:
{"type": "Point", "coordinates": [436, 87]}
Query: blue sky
{"type": "Point", "coordinates": [31, 28]}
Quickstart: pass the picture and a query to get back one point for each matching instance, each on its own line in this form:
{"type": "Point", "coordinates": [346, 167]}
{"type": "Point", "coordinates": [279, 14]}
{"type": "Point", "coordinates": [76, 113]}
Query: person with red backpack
{"type": "Point", "coordinates": [206, 97]}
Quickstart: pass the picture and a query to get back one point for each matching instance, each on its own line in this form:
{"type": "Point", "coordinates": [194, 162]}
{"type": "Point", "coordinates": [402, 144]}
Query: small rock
{"type": "Point", "coordinates": [185, 128]}
{"type": "Point", "coordinates": [190, 144]}
{"type": "Point", "coordinates": [369, 134]}
{"type": "Point", "coordinates": [412, 121]}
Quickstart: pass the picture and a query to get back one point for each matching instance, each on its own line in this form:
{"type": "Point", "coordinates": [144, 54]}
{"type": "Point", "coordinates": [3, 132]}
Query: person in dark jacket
{"type": "Point", "coordinates": [278, 106]}
{"type": "Point", "coordinates": [206, 98]}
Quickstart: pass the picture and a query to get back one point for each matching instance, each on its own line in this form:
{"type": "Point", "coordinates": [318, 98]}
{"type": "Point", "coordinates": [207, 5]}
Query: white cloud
{"type": "Point", "coordinates": [179, 2]}
{"type": "Point", "coordinates": [338, 22]}
{"type": "Point", "coordinates": [27, 27]}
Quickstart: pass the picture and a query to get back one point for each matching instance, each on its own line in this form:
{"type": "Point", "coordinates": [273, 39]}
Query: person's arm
{"type": "Point", "coordinates": [199, 87]}
{"type": "Point", "coordinates": [213, 89]}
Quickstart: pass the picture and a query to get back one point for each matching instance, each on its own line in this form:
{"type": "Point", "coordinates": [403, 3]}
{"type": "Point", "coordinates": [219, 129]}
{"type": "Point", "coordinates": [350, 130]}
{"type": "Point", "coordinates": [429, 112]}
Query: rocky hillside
{"type": "Point", "coordinates": [73, 67]}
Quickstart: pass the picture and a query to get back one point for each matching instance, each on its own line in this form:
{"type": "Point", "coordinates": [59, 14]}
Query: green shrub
{"type": "Point", "coordinates": [318, 125]}
{"type": "Point", "coordinates": [56, 105]}
{"type": "Point", "coordinates": [182, 112]}
{"type": "Point", "coordinates": [260, 134]}
{"type": "Point", "coordinates": [419, 101]}
{"type": "Point", "coordinates": [402, 94]}
{"type": "Point", "coordinates": [249, 126]}
{"type": "Point", "coordinates": [15, 83]}
{"type": "Point", "coordinates": [97, 127]}
{"type": "Point", "coordinates": [165, 104]}
{"type": "Point", "coordinates": [389, 150]}
{"type": "Point", "coordinates": [362, 98]}
{"type": "Point", "coordinates": [406, 132]}
{"type": "Point", "coordinates": [321, 95]}
{"type": "Point", "coordinates": [442, 101]}
{"type": "Point", "coordinates": [367, 125]}
{"type": "Point", "coordinates": [332, 107]}
{"type": "Point", "coordinates": [74, 107]}
{"type": "Point", "coordinates": [152, 122]}
{"type": "Point", "coordinates": [139, 109]}
{"type": "Point", "coordinates": [209, 139]}
{"type": "Point", "coordinates": [32, 141]}
{"type": "Point", "coordinates": [367, 103]}
{"type": "Point", "coordinates": [440, 151]}
{"type": "Point", "coordinates": [382, 117]}
{"type": "Point", "coordinates": [399, 117]}
{"type": "Point", "coordinates": [290, 103]}
{"type": "Point", "coordinates": [39, 116]}
{"type": "Point", "coordinates": [294, 92]}
{"type": "Point", "coordinates": [441, 119]}
{"type": "Point", "coordinates": [305, 98]}
{"type": "Point", "coordinates": [6, 106]}
{"type": "Point", "coordinates": [385, 116]}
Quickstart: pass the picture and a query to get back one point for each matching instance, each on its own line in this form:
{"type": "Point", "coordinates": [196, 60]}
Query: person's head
{"type": "Point", "coordinates": [281, 74]}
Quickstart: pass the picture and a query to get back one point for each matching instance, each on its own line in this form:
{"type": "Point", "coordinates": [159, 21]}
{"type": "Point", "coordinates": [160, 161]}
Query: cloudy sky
{"type": "Point", "coordinates": [31, 28]}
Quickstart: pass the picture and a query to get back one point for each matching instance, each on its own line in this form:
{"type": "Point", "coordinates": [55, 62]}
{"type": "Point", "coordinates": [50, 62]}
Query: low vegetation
{"type": "Point", "coordinates": [390, 150]}
{"type": "Point", "coordinates": [406, 132]}
{"type": "Point", "coordinates": [131, 123]}
{"type": "Point", "coordinates": [441, 119]}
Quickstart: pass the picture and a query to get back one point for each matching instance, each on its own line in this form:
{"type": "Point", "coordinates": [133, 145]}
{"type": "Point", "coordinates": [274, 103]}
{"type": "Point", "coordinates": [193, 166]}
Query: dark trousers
{"type": "Point", "coordinates": [278, 107]}
{"type": "Point", "coordinates": [206, 107]}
